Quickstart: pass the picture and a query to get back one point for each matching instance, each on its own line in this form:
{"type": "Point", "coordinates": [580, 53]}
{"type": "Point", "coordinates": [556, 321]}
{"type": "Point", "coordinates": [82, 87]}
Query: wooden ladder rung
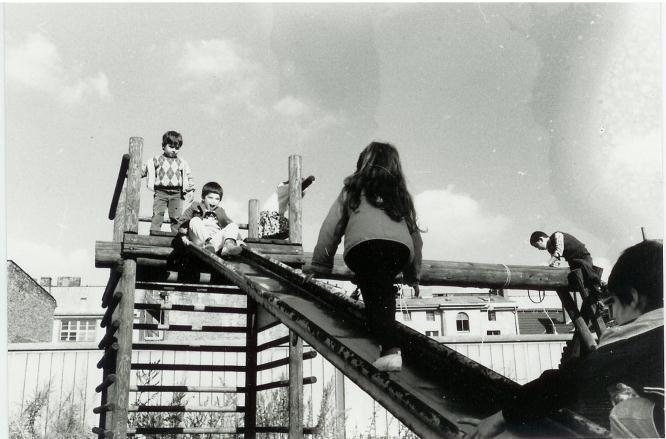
{"type": "Point", "coordinates": [180, 430]}
{"type": "Point", "coordinates": [190, 328]}
{"type": "Point", "coordinates": [204, 389]}
{"type": "Point", "coordinates": [184, 408]}
{"type": "Point", "coordinates": [195, 367]}
{"type": "Point", "coordinates": [282, 383]}
{"type": "Point", "coordinates": [284, 361]}
{"type": "Point", "coordinates": [191, 308]}
{"type": "Point", "coordinates": [186, 347]}
{"type": "Point", "coordinates": [189, 288]}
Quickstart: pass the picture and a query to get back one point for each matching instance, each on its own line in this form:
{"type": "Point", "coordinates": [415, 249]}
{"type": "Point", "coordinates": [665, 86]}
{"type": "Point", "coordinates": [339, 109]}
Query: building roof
{"type": "Point", "coordinates": [29, 279]}
{"type": "Point", "coordinates": [542, 322]}
{"type": "Point", "coordinates": [458, 301]}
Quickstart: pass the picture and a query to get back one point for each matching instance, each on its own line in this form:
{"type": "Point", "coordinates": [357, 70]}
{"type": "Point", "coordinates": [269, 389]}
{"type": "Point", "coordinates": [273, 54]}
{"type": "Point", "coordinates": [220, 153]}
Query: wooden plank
{"type": "Point", "coordinates": [295, 386]}
{"type": "Point", "coordinates": [295, 198]}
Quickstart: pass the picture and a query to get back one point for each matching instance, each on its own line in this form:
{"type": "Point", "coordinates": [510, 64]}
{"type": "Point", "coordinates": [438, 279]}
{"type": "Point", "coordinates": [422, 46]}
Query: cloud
{"type": "Point", "coordinates": [211, 58]}
{"type": "Point", "coordinates": [39, 259]}
{"type": "Point", "coordinates": [36, 64]}
{"type": "Point", "coordinates": [304, 119]}
{"type": "Point", "coordinates": [457, 227]}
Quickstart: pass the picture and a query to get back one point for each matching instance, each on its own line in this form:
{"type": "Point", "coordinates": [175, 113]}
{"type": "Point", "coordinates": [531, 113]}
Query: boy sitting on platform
{"type": "Point", "coordinates": [206, 224]}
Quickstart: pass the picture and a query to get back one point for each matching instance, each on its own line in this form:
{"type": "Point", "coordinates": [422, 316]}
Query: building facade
{"type": "Point", "coordinates": [30, 308]}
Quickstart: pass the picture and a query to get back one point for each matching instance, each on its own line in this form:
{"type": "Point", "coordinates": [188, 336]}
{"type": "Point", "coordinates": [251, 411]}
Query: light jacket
{"type": "Point", "coordinates": [363, 224]}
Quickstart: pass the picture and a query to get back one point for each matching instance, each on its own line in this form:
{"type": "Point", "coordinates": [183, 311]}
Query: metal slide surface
{"type": "Point", "coordinates": [436, 387]}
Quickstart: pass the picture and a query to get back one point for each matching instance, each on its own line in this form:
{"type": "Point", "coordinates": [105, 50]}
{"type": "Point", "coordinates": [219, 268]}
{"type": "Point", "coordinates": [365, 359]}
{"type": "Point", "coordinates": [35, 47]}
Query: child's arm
{"type": "Point", "coordinates": [412, 274]}
{"type": "Point", "coordinates": [330, 236]}
{"type": "Point", "coordinates": [559, 249]}
{"type": "Point", "coordinates": [188, 181]}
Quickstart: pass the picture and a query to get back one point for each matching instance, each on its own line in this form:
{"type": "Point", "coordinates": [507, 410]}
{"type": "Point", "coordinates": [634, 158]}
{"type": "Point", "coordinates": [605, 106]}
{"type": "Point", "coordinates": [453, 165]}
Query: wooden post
{"type": "Point", "coordinates": [125, 308]}
{"type": "Point", "coordinates": [106, 418]}
{"type": "Point", "coordinates": [644, 233]}
{"type": "Point", "coordinates": [253, 219]}
{"type": "Point", "coordinates": [340, 410]}
{"type": "Point", "coordinates": [295, 386]}
{"type": "Point", "coordinates": [295, 198]}
{"type": "Point", "coordinates": [250, 421]}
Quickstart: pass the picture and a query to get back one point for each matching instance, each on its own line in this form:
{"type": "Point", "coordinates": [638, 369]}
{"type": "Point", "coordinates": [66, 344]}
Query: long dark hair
{"type": "Point", "coordinates": [379, 176]}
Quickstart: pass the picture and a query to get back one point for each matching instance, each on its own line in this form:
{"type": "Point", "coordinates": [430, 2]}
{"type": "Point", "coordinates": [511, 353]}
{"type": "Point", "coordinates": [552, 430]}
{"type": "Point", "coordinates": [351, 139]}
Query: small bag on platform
{"type": "Point", "coordinates": [272, 225]}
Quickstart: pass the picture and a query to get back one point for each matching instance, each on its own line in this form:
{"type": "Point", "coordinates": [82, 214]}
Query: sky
{"type": "Point", "coordinates": [509, 118]}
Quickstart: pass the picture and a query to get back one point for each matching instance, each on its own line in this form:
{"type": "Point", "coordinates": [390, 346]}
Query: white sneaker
{"type": "Point", "coordinates": [389, 363]}
{"type": "Point", "coordinates": [230, 248]}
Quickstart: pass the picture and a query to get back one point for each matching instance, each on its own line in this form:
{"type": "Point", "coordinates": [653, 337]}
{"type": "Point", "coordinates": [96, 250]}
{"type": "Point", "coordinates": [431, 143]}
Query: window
{"type": "Point", "coordinates": [492, 315]}
{"type": "Point", "coordinates": [77, 330]}
{"type": "Point", "coordinates": [462, 322]}
{"type": "Point", "coordinates": [152, 318]}
{"type": "Point", "coordinates": [430, 316]}
{"type": "Point", "coordinates": [432, 333]}
{"type": "Point", "coordinates": [493, 332]}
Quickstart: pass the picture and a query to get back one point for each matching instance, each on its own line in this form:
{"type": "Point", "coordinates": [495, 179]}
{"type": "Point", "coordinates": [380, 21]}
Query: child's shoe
{"type": "Point", "coordinates": [231, 248]}
{"type": "Point", "coordinates": [389, 363]}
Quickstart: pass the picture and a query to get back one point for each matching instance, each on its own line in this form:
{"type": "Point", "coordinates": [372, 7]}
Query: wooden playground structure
{"type": "Point", "coordinates": [436, 387]}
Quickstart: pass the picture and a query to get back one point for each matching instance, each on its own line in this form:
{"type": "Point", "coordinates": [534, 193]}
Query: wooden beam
{"type": "Point", "coordinates": [295, 386]}
{"type": "Point", "coordinates": [250, 418]}
{"type": "Point", "coordinates": [126, 307]}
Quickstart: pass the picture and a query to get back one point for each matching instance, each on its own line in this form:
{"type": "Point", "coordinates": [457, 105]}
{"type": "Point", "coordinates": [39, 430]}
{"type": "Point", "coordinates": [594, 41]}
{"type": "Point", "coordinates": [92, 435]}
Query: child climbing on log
{"type": "Point", "coordinates": [375, 213]}
{"type": "Point", "coordinates": [206, 224]}
{"type": "Point", "coordinates": [170, 177]}
{"type": "Point", "coordinates": [563, 245]}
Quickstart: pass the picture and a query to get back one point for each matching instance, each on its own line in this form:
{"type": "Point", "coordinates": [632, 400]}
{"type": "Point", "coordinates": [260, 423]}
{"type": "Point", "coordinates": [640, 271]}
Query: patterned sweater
{"type": "Point", "coordinates": [168, 173]}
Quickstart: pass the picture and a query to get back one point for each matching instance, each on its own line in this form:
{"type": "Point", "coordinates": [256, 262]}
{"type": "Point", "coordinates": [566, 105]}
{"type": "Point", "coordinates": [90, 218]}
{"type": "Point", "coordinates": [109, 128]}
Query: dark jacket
{"type": "Point", "coordinates": [363, 224]}
{"type": "Point", "coordinates": [632, 354]}
{"type": "Point", "coordinates": [573, 248]}
{"type": "Point", "coordinates": [198, 208]}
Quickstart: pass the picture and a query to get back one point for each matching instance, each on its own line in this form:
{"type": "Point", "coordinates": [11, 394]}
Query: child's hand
{"type": "Point", "coordinates": [186, 240]}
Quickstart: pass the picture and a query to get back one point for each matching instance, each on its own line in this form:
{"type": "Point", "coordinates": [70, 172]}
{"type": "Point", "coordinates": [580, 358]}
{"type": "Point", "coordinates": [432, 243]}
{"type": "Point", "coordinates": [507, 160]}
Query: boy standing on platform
{"type": "Point", "coordinates": [171, 179]}
{"type": "Point", "coordinates": [206, 224]}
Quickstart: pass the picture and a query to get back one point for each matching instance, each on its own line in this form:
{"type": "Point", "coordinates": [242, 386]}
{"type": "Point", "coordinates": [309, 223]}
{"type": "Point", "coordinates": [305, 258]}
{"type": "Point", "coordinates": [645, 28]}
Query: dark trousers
{"type": "Point", "coordinates": [163, 199]}
{"type": "Point", "coordinates": [375, 264]}
{"type": "Point", "coordinates": [590, 275]}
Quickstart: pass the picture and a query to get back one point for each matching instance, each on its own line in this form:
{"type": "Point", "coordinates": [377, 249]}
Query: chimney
{"type": "Point", "coordinates": [45, 282]}
{"type": "Point", "coordinates": [69, 281]}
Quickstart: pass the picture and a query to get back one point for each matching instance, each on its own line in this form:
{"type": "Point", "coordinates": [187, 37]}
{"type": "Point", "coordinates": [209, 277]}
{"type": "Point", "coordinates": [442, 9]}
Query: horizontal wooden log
{"type": "Point", "coordinates": [166, 220]}
{"type": "Point", "coordinates": [273, 343]}
{"type": "Point", "coordinates": [108, 253]}
{"type": "Point", "coordinates": [108, 380]}
{"type": "Point", "coordinates": [473, 275]}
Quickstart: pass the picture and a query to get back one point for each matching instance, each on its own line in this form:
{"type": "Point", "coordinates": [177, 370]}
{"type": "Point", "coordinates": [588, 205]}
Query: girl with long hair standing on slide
{"type": "Point", "coordinates": [375, 213]}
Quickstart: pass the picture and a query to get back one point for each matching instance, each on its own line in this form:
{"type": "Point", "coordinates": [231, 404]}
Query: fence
{"type": "Point", "coordinates": [70, 371]}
